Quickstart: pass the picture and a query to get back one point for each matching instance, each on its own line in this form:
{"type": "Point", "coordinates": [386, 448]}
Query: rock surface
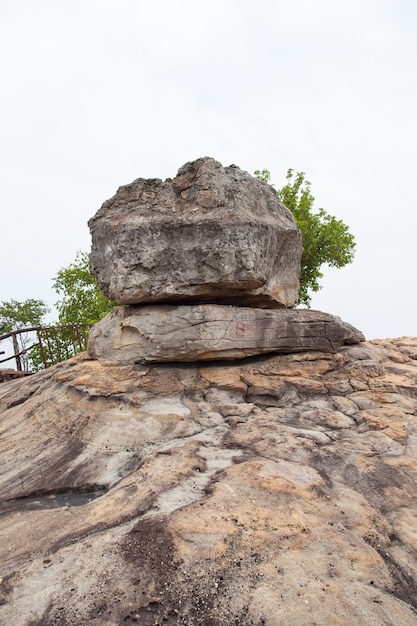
{"type": "Point", "coordinates": [163, 333]}
{"type": "Point", "coordinates": [211, 234]}
{"type": "Point", "coordinates": [7, 373]}
{"type": "Point", "coordinates": [277, 490]}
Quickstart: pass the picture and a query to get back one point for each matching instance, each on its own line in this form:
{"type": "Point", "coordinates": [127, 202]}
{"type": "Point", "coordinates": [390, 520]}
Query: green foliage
{"type": "Point", "coordinates": [326, 240]}
{"type": "Point", "coordinates": [18, 315]}
{"type": "Point", "coordinates": [15, 315]}
{"type": "Point", "coordinates": [264, 176]}
{"type": "Point", "coordinates": [59, 343]}
{"type": "Point", "coordinates": [82, 301]}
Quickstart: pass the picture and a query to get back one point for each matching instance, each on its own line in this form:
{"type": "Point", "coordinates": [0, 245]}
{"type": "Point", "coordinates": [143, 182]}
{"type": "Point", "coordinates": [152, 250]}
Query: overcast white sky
{"type": "Point", "coordinates": [96, 93]}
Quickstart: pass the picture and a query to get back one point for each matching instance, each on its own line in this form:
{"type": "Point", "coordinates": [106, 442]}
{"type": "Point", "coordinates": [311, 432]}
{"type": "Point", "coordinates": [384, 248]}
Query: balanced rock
{"type": "Point", "coordinates": [212, 234]}
{"type": "Point", "coordinates": [158, 333]}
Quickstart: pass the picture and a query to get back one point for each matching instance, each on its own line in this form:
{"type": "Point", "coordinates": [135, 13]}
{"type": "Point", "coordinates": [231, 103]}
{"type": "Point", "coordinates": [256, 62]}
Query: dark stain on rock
{"type": "Point", "coordinates": [166, 591]}
{"type": "Point", "coordinates": [380, 477]}
{"type": "Point", "coordinates": [150, 594]}
{"type": "Point", "coordinates": [47, 499]}
{"type": "Point", "coordinates": [322, 469]}
{"type": "Point", "coordinates": [404, 585]}
{"type": "Point", "coordinates": [52, 471]}
{"type": "Point", "coordinates": [5, 588]}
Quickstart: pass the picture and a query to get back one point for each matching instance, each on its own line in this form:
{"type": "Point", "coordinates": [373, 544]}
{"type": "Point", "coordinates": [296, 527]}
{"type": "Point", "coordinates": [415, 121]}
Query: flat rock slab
{"type": "Point", "coordinates": [212, 234]}
{"type": "Point", "coordinates": [158, 333]}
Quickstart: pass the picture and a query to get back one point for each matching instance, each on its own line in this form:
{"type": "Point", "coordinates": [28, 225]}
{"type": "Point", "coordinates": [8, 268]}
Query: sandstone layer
{"type": "Point", "coordinates": [163, 333]}
{"type": "Point", "coordinates": [276, 490]}
{"type": "Point", "coordinates": [211, 234]}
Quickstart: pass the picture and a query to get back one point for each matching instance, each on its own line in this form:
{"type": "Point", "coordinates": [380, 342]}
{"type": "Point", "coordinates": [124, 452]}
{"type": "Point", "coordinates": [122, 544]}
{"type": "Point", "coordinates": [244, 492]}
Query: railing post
{"type": "Point", "coordinates": [16, 351]}
{"type": "Point", "coordinates": [41, 348]}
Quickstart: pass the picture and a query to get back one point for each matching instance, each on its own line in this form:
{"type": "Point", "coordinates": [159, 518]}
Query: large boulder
{"type": "Point", "coordinates": [212, 234]}
{"type": "Point", "coordinates": [158, 333]}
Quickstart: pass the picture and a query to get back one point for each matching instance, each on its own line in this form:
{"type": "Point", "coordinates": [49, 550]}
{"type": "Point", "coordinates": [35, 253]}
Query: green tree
{"type": "Point", "coordinates": [16, 315]}
{"type": "Point", "coordinates": [82, 301]}
{"type": "Point", "coordinates": [326, 240]}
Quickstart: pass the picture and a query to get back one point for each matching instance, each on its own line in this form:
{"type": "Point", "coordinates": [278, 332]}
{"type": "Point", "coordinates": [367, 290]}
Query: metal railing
{"type": "Point", "coordinates": [49, 344]}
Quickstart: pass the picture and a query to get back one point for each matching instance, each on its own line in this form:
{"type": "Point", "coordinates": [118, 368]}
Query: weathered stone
{"type": "Point", "coordinates": [126, 500]}
{"type": "Point", "coordinates": [157, 333]}
{"type": "Point", "coordinates": [211, 234]}
{"type": "Point", "coordinates": [7, 373]}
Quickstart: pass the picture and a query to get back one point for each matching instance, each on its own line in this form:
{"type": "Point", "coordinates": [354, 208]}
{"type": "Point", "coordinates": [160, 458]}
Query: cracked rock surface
{"type": "Point", "coordinates": [274, 490]}
{"type": "Point", "coordinates": [166, 333]}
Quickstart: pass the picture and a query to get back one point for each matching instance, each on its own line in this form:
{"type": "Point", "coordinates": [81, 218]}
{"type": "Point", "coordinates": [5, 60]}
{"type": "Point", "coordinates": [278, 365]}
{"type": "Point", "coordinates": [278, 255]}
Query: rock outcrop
{"type": "Point", "coordinates": [149, 485]}
{"type": "Point", "coordinates": [211, 234]}
{"type": "Point", "coordinates": [209, 244]}
{"type": "Point", "coordinates": [164, 333]}
{"type": "Point", "coordinates": [279, 489]}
